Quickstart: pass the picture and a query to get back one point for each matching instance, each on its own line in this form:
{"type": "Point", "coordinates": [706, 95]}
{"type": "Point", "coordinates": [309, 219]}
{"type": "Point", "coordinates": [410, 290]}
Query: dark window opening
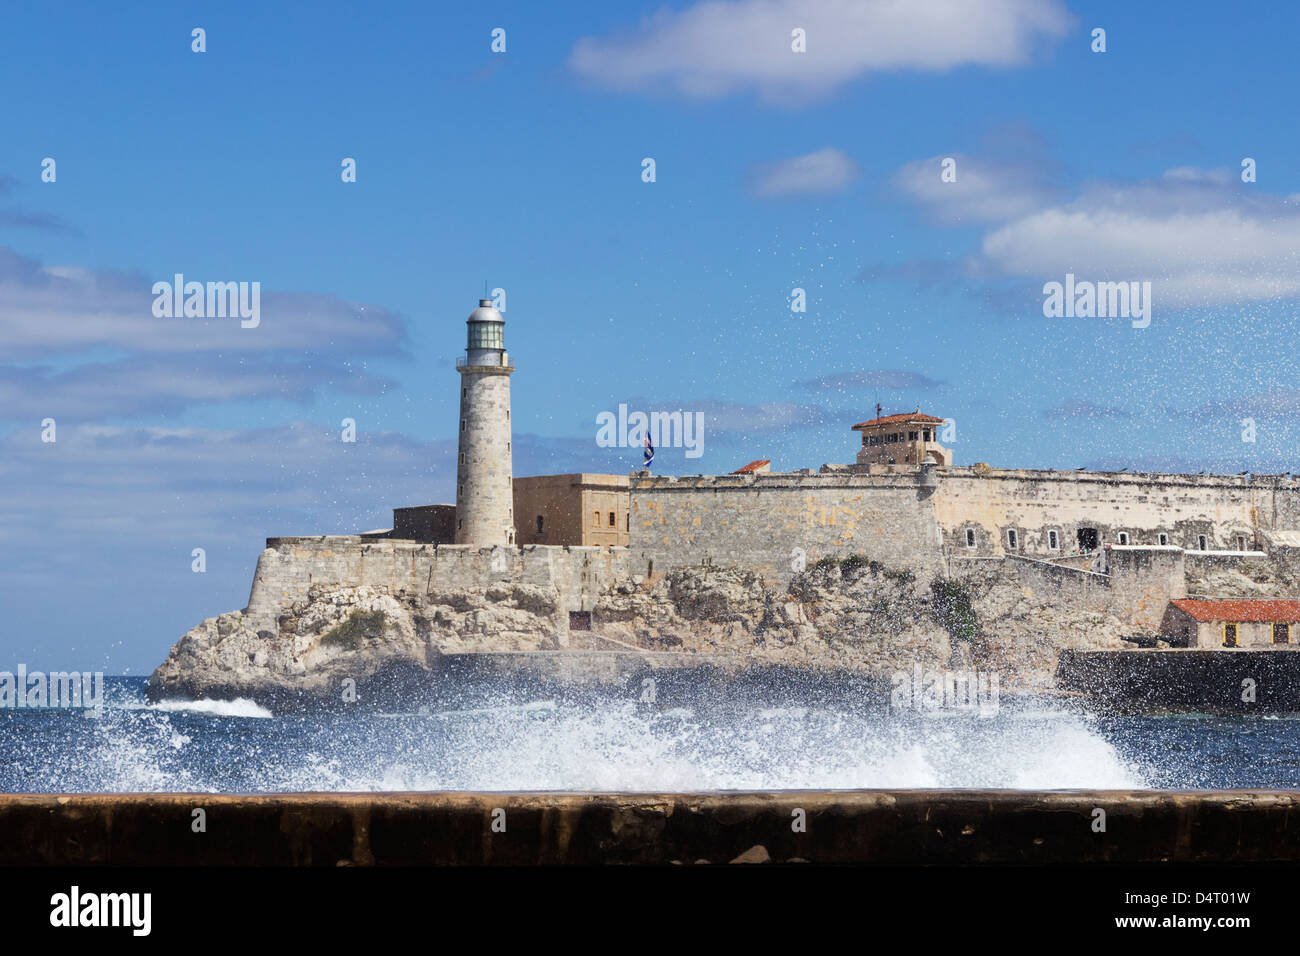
{"type": "Point", "coordinates": [580, 620]}
{"type": "Point", "coordinates": [1202, 543]}
{"type": "Point", "coordinates": [1230, 635]}
{"type": "Point", "coordinates": [1087, 538]}
{"type": "Point", "coordinates": [970, 537]}
{"type": "Point", "coordinates": [539, 524]}
{"type": "Point", "coordinates": [611, 519]}
{"type": "Point", "coordinates": [1281, 633]}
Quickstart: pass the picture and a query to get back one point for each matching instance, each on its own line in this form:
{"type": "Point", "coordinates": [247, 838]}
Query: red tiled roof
{"type": "Point", "coordinates": [753, 466]}
{"type": "Point", "coordinates": [898, 419]}
{"type": "Point", "coordinates": [1243, 610]}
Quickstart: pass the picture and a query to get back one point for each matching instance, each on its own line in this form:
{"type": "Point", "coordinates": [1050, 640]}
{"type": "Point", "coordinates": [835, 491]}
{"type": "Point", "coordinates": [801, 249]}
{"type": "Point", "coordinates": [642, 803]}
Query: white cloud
{"type": "Point", "coordinates": [984, 190]}
{"type": "Point", "coordinates": [825, 171]}
{"type": "Point", "coordinates": [66, 309]}
{"type": "Point", "coordinates": [1199, 236]}
{"type": "Point", "coordinates": [155, 386]}
{"type": "Point", "coordinates": [719, 47]}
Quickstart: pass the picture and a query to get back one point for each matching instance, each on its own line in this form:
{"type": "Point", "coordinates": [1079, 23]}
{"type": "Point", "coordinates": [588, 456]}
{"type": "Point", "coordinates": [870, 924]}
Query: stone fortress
{"type": "Point", "coordinates": [527, 563]}
{"type": "Point", "coordinates": [902, 502]}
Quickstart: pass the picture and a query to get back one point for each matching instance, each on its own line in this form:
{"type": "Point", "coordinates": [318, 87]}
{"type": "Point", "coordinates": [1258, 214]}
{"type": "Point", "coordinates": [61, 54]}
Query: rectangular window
{"type": "Point", "coordinates": [1013, 540]}
{"type": "Point", "coordinates": [1163, 538]}
{"type": "Point", "coordinates": [1202, 543]}
{"type": "Point", "coordinates": [1241, 542]}
{"type": "Point", "coordinates": [926, 433]}
{"type": "Point", "coordinates": [911, 436]}
{"type": "Point", "coordinates": [1230, 635]}
{"type": "Point", "coordinates": [580, 620]}
{"type": "Point", "coordinates": [970, 537]}
{"type": "Point", "coordinates": [1281, 633]}
{"type": "Point", "coordinates": [1053, 542]}
{"type": "Point", "coordinates": [611, 519]}
{"type": "Point", "coordinates": [1122, 537]}
{"type": "Point", "coordinates": [595, 519]}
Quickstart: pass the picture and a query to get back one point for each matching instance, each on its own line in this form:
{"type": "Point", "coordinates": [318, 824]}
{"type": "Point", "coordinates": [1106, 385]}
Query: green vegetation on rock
{"type": "Point", "coordinates": [952, 607]}
{"type": "Point", "coordinates": [351, 634]}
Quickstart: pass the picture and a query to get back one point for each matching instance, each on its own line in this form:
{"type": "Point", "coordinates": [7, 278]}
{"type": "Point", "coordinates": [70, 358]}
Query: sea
{"type": "Point", "coordinates": [618, 745]}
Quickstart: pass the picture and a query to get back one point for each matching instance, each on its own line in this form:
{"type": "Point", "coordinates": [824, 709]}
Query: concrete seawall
{"type": "Point", "coordinates": [1219, 682]}
{"type": "Point", "coordinates": [865, 826]}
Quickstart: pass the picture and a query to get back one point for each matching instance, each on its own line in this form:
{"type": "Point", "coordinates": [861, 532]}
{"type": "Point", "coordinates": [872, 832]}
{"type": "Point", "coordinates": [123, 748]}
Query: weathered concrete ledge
{"type": "Point", "coordinates": [1245, 681]}
{"type": "Point", "coordinates": [861, 826]}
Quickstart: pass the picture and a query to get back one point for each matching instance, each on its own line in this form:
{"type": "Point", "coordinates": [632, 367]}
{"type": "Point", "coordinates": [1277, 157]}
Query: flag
{"type": "Point", "coordinates": [649, 453]}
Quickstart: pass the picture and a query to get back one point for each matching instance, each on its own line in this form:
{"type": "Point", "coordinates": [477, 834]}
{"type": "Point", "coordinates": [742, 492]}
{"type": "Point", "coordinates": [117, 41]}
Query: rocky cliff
{"type": "Point", "coordinates": [853, 615]}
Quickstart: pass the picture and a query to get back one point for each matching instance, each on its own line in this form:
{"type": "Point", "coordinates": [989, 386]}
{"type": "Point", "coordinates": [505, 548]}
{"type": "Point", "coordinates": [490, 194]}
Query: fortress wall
{"type": "Point", "coordinates": [290, 566]}
{"type": "Point", "coordinates": [1143, 582]}
{"type": "Point", "coordinates": [1138, 585]}
{"type": "Point", "coordinates": [758, 521]}
{"type": "Point", "coordinates": [1060, 585]}
{"type": "Point", "coordinates": [768, 522]}
{"type": "Point", "coordinates": [992, 501]}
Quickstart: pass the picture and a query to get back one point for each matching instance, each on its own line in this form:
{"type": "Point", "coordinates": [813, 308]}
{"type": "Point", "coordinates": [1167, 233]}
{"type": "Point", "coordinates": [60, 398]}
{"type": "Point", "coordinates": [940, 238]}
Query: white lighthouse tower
{"type": "Point", "coordinates": [484, 480]}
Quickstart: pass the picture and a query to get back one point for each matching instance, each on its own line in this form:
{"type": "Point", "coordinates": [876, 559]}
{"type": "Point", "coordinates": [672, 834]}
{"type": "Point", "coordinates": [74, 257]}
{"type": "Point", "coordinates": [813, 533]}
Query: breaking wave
{"type": "Point", "coordinates": [239, 707]}
{"type": "Point", "coordinates": [547, 745]}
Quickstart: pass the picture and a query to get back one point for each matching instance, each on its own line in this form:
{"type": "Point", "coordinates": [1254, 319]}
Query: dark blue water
{"type": "Point", "coordinates": [236, 747]}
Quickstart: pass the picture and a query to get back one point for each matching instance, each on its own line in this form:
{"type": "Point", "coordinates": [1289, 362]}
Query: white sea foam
{"type": "Point", "coordinates": [604, 747]}
{"type": "Point", "coordinates": [239, 707]}
{"type": "Point", "coordinates": [618, 748]}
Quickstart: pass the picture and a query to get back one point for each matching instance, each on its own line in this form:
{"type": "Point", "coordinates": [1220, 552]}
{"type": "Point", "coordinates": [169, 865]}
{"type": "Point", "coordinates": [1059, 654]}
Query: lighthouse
{"type": "Point", "coordinates": [484, 480]}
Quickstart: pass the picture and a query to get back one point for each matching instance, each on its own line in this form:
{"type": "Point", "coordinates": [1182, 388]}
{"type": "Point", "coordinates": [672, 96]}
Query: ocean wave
{"type": "Point", "coordinates": [239, 707]}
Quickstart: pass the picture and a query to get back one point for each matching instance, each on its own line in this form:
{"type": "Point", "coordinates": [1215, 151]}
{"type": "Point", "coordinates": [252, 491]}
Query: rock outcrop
{"type": "Point", "coordinates": [852, 615]}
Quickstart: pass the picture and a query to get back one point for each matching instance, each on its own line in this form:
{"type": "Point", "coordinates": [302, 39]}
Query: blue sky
{"type": "Point", "coordinates": [774, 171]}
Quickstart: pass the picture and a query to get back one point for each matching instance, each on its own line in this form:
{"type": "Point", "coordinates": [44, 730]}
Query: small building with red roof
{"type": "Point", "coordinates": [1232, 623]}
{"type": "Point", "coordinates": [906, 439]}
{"type": "Point", "coordinates": [760, 467]}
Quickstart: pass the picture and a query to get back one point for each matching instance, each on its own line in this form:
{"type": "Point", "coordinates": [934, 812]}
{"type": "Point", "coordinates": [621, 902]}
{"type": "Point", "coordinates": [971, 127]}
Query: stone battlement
{"type": "Point", "coordinates": [922, 517]}
{"type": "Point", "coordinates": [291, 566]}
